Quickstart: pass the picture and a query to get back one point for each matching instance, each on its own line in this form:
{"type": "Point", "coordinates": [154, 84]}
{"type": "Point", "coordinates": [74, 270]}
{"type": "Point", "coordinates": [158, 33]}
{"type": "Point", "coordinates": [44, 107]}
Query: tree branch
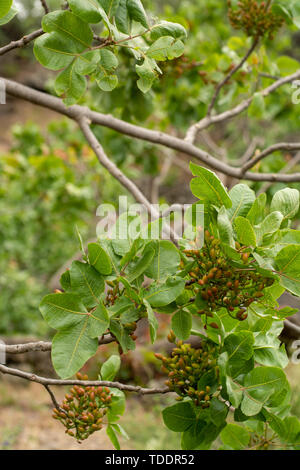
{"type": "Point", "coordinates": [112, 168]}
{"type": "Point", "coordinates": [208, 120]}
{"type": "Point", "coordinates": [273, 148]}
{"type": "Point", "coordinates": [45, 6]}
{"type": "Point", "coordinates": [43, 346]}
{"type": "Point", "coordinates": [288, 167]}
{"type": "Point", "coordinates": [21, 42]}
{"type": "Point", "coordinates": [83, 383]}
{"type": "Point", "coordinates": [159, 138]}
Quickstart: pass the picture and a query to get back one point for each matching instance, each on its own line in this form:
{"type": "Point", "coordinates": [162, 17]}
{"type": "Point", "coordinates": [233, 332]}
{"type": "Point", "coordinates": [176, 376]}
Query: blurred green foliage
{"type": "Point", "coordinates": [48, 186]}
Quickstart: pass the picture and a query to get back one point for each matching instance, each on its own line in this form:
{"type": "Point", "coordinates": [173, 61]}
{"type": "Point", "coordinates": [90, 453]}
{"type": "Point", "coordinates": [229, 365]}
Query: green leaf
{"type": "Point", "coordinates": [75, 30]}
{"type": "Point", "coordinates": [136, 269]}
{"type": "Point", "coordinates": [262, 386]}
{"type": "Point", "coordinates": [208, 187]}
{"type": "Point", "coordinates": [225, 227]}
{"type": "Point", "coordinates": [70, 84]}
{"type": "Point", "coordinates": [71, 348]}
{"type": "Point", "coordinates": [65, 281]}
{"type": "Point", "coordinates": [99, 259]}
{"type": "Point", "coordinates": [165, 48]}
{"type": "Point", "coordinates": [5, 6]}
{"type": "Point", "coordinates": [9, 16]}
{"type": "Point", "coordinates": [274, 421]}
{"type": "Point", "coordinates": [109, 6]}
{"type": "Point", "coordinates": [257, 106]}
{"type": "Point", "coordinates": [117, 406]}
{"type": "Point", "coordinates": [110, 368]}
{"type": "Point", "coordinates": [163, 294]}
{"type": "Point", "coordinates": [99, 321]}
{"type": "Point", "coordinates": [165, 261]}
{"type": "Point", "coordinates": [268, 351]}
{"type": "Point", "coordinates": [287, 65]}
{"type": "Point", "coordinates": [179, 417]}
{"type": "Point", "coordinates": [242, 198]}
{"type": "Point", "coordinates": [218, 411]}
{"type": "Point", "coordinates": [235, 436]}
{"type": "Point", "coordinates": [256, 213]}
{"type": "Point", "coordinates": [239, 347]}
{"type": "Point", "coordinates": [153, 323]}
{"type": "Point", "coordinates": [113, 437]}
{"type": "Point", "coordinates": [286, 201]}
{"type": "Point", "coordinates": [88, 10]}
{"type": "Point", "coordinates": [107, 82]}
{"type": "Point", "coordinates": [87, 283]}
{"type": "Point", "coordinates": [234, 392]}
{"type": "Point", "coordinates": [244, 231]}
{"type": "Point", "coordinates": [53, 51]}
{"type": "Point", "coordinates": [287, 264]}
{"type": "Point", "coordinates": [137, 13]}
{"type": "Point", "coordinates": [200, 435]}
{"type": "Point", "coordinates": [166, 28]}
{"type": "Point", "coordinates": [182, 324]}
{"type": "Point", "coordinates": [107, 245]}
{"type": "Point", "coordinates": [67, 37]}
{"type": "Point", "coordinates": [108, 60]}
{"type": "Point", "coordinates": [124, 339]}
{"type": "Point", "coordinates": [147, 73]}
{"type": "Point", "coordinates": [122, 18]}
{"type": "Point", "coordinates": [86, 63]}
{"type": "Point", "coordinates": [62, 310]}
{"type": "Point", "coordinates": [268, 226]}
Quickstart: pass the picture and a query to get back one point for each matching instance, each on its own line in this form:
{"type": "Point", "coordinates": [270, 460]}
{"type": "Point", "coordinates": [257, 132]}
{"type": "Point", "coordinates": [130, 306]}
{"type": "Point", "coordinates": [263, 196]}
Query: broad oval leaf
{"type": "Point", "coordinates": [87, 283]}
{"type": "Point", "coordinates": [244, 231]}
{"type": "Point", "coordinates": [179, 417]}
{"type": "Point", "coordinates": [71, 348]}
{"type": "Point", "coordinates": [62, 310]}
{"type": "Point", "coordinates": [163, 294]}
{"type": "Point", "coordinates": [88, 10]}
{"type": "Point", "coordinates": [208, 187]}
{"type": "Point", "coordinates": [287, 264]}
{"type": "Point", "coordinates": [235, 436]}
{"type": "Point", "coordinates": [242, 198]}
{"type": "Point", "coordinates": [182, 324]}
{"type": "Point", "coordinates": [99, 259]}
{"type": "Point", "coordinates": [110, 368]}
{"type": "Point", "coordinates": [5, 6]}
{"type": "Point", "coordinates": [98, 321]}
{"type": "Point", "coordinates": [165, 261]}
{"type": "Point", "coordinates": [286, 201]}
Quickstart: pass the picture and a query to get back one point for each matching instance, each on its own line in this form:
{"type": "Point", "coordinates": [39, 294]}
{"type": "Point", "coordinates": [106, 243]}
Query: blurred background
{"type": "Point", "coordinates": [51, 183]}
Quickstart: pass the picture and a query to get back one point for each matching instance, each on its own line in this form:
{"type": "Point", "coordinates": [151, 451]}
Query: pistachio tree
{"type": "Point", "coordinates": [219, 282]}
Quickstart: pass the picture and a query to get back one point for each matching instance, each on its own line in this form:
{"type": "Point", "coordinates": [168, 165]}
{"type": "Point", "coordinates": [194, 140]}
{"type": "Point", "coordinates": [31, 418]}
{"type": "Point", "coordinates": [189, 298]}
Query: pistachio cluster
{"type": "Point", "coordinates": [219, 284]}
{"type": "Point", "coordinates": [83, 409]}
{"type": "Point", "coordinates": [254, 18]}
{"type": "Point", "coordinates": [186, 366]}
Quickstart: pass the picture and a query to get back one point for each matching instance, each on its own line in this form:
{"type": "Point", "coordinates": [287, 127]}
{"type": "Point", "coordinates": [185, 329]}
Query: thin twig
{"type": "Point", "coordinates": [45, 6]}
{"type": "Point", "coordinates": [288, 167]}
{"type": "Point", "coordinates": [52, 396]}
{"type": "Point", "coordinates": [229, 75]}
{"type": "Point", "coordinates": [21, 42]}
{"type": "Point", "coordinates": [214, 119]}
{"type": "Point", "coordinates": [273, 148]}
{"type": "Point", "coordinates": [83, 383]}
